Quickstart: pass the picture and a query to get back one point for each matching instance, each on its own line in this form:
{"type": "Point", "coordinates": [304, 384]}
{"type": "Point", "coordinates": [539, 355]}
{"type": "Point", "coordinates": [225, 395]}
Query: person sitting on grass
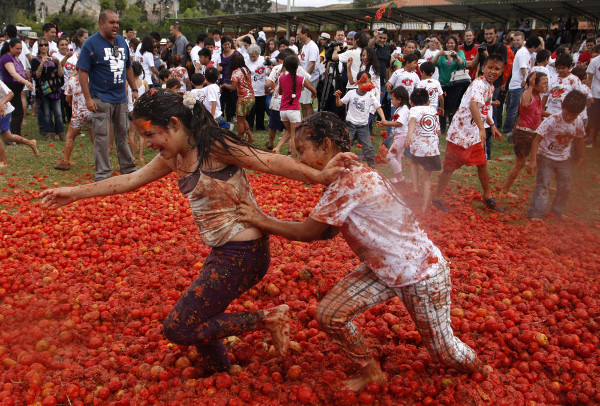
{"type": "Point", "coordinates": [209, 162]}
{"type": "Point", "coordinates": [423, 141]}
{"type": "Point", "coordinates": [530, 117]}
{"type": "Point", "coordinates": [80, 117]}
{"type": "Point", "coordinates": [550, 153]}
{"type": "Point", "coordinates": [6, 110]}
{"type": "Point", "coordinates": [399, 259]}
{"type": "Point", "coordinates": [466, 134]}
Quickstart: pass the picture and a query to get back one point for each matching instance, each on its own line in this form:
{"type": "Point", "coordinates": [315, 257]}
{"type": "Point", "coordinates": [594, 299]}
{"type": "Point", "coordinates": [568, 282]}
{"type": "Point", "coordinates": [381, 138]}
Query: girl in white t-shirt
{"type": "Point", "coordinates": [399, 125]}
{"type": "Point", "coordinates": [399, 259]}
{"type": "Point", "coordinates": [423, 141]}
{"type": "Point", "coordinates": [141, 86]}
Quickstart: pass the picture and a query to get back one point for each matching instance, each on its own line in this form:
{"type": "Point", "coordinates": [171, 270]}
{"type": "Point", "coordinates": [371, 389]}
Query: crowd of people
{"type": "Point", "coordinates": [182, 99]}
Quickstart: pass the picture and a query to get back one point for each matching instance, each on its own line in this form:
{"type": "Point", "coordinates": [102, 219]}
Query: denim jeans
{"type": "Point", "coordinates": [363, 135]}
{"type": "Point", "coordinates": [564, 174]}
{"type": "Point", "coordinates": [512, 108]}
{"type": "Point", "coordinates": [51, 108]}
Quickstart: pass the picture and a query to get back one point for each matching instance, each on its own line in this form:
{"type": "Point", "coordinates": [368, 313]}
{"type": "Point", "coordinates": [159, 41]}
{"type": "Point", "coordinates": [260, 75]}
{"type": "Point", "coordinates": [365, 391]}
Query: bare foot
{"type": "Point", "coordinates": [3, 164]}
{"type": "Point", "coordinates": [33, 146]}
{"type": "Point", "coordinates": [371, 373]}
{"type": "Point", "coordinates": [277, 321]}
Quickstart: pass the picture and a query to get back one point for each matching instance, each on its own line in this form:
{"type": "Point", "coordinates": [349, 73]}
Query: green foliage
{"type": "Point", "coordinates": [190, 13]}
{"type": "Point", "coordinates": [210, 6]}
{"type": "Point", "coordinates": [133, 16]}
{"type": "Point", "coordinates": [362, 3]}
{"type": "Point", "coordinates": [245, 6]}
{"type": "Point", "coordinates": [184, 5]}
{"type": "Point", "coordinates": [72, 22]}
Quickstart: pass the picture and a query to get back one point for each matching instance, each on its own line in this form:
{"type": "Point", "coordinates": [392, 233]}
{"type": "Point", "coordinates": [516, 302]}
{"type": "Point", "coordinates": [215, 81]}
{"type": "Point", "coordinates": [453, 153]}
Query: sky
{"type": "Point", "coordinates": [314, 3]}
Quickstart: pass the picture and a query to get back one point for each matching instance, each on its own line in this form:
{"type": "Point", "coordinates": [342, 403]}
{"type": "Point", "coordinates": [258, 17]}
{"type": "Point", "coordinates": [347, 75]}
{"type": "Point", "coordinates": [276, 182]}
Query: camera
{"type": "Point", "coordinates": [482, 47]}
{"type": "Point", "coordinates": [329, 48]}
{"type": "Point", "coordinates": [268, 62]}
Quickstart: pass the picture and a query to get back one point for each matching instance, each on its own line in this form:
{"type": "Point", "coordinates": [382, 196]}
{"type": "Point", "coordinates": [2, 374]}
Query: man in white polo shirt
{"type": "Point", "coordinates": [309, 57]}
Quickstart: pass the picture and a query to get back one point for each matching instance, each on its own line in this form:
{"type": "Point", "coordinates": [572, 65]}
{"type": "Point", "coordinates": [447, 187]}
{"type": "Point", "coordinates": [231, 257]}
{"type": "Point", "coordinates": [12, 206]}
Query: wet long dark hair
{"type": "Point", "coordinates": [290, 64]}
{"type": "Point", "coordinates": [324, 124]}
{"type": "Point", "coordinates": [373, 61]}
{"type": "Point", "coordinates": [238, 62]}
{"type": "Point", "coordinates": [159, 106]}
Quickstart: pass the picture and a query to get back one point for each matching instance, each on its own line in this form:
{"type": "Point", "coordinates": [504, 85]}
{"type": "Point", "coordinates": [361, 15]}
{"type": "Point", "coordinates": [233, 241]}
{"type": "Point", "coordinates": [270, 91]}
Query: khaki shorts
{"type": "Point", "coordinates": [244, 106]}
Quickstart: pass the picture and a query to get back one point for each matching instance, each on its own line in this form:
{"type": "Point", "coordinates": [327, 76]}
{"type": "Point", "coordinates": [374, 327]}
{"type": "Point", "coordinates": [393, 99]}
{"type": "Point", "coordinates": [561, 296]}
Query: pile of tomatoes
{"type": "Point", "coordinates": [84, 290]}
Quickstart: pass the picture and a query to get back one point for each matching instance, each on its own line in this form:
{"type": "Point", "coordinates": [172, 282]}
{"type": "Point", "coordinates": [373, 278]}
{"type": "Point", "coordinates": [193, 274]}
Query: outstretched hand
{"type": "Point", "coordinates": [336, 166]}
{"type": "Point", "coordinates": [250, 213]}
{"type": "Point", "coordinates": [54, 198]}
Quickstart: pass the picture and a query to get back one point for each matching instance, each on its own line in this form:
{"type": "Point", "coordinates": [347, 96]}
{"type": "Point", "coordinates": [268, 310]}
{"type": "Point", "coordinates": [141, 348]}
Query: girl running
{"type": "Point", "coordinates": [399, 259]}
{"type": "Point", "coordinates": [530, 117]}
{"type": "Point", "coordinates": [399, 125]}
{"type": "Point", "coordinates": [142, 87]}
{"type": "Point", "coordinates": [290, 87]}
{"type": "Point", "coordinates": [241, 81]}
{"type": "Point", "coordinates": [208, 161]}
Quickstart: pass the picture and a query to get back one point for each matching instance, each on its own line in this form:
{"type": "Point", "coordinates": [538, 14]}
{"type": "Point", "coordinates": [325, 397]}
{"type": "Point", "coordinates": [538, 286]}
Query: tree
{"type": "Point", "coordinates": [209, 6]}
{"type": "Point", "coordinates": [362, 3]}
{"type": "Point", "coordinates": [185, 4]}
{"type": "Point", "coordinates": [245, 6]}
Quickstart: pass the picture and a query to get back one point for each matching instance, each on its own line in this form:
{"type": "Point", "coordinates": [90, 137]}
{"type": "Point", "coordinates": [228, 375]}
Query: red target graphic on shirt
{"type": "Point", "coordinates": [428, 124]}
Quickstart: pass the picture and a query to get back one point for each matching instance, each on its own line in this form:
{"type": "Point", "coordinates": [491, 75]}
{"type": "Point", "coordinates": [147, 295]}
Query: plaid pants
{"type": "Point", "coordinates": [427, 302]}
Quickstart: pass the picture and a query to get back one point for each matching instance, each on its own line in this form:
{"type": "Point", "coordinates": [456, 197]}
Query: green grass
{"type": "Point", "coordinates": [28, 172]}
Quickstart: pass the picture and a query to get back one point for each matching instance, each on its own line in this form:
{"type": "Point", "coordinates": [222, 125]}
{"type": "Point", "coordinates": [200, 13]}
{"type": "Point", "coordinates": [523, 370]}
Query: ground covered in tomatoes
{"type": "Point", "coordinates": [84, 290]}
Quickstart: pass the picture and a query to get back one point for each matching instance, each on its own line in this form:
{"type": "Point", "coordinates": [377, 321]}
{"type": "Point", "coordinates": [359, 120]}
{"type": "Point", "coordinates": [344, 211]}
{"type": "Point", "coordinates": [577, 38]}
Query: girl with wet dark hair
{"type": "Point", "coordinates": [399, 259]}
{"type": "Point", "coordinates": [208, 161]}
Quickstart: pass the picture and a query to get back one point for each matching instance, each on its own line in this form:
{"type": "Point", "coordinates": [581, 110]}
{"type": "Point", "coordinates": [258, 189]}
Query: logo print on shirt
{"type": "Point", "coordinates": [428, 124]}
{"type": "Point", "coordinates": [117, 65]}
{"type": "Point", "coordinates": [260, 70]}
{"type": "Point", "coordinates": [359, 105]}
{"type": "Point", "coordinates": [407, 82]}
{"type": "Point", "coordinates": [557, 92]}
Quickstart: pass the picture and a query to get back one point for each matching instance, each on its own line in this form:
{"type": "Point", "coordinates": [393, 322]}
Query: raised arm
{"type": "Point", "coordinates": [156, 169]}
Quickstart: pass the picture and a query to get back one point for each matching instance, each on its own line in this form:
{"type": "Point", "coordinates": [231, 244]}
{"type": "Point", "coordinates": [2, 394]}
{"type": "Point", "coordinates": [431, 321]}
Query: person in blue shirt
{"type": "Point", "coordinates": [104, 67]}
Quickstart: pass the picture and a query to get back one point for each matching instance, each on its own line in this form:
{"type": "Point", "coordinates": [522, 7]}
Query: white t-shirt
{"type": "Point", "coordinates": [542, 69]}
{"type": "Point", "coordinates": [558, 90]}
{"type": "Point", "coordinates": [5, 91]}
{"type": "Point", "coordinates": [199, 94]}
{"type": "Point", "coordinates": [310, 53]}
{"type": "Point", "coordinates": [408, 80]}
{"type": "Point", "coordinates": [194, 54]}
{"type": "Point", "coordinates": [356, 62]}
{"type": "Point", "coordinates": [425, 140]}
{"type": "Point", "coordinates": [258, 72]}
{"type": "Point", "coordinates": [389, 241]}
{"type": "Point", "coordinates": [434, 88]}
{"type": "Point", "coordinates": [52, 49]}
{"type": "Point", "coordinates": [23, 56]}
{"type": "Point", "coordinates": [522, 60]}
{"type": "Point", "coordinates": [557, 136]}
{"type": "Point", "coordinates": [294, 48]}
{"type": "Point", "coordinates": [147, 62]}
{"type": "Point", "coordinates": [401, 115]}
{"type": "Point", "coordinates": [463, 131]}
{"type": "Point", "coordinates": [212, 94]}
{"type": "Point", "coordinates": [594, 70]}
{"type": "Point", "coordinates": [217, 49]}
{"type": "Point", "coordinates": [429, 55]}
{"type": "Point", "coordinates": [359, 106]}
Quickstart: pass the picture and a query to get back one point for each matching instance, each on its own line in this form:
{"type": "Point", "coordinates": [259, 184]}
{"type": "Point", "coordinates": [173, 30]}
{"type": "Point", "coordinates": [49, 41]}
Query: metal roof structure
{"type": "Point", "coordinates": [468, 12]}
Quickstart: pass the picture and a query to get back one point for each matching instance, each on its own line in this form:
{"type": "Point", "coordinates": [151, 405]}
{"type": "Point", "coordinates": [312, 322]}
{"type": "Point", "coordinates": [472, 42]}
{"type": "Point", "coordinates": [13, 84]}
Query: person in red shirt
{"type": "Point", "coordinates": [586, 56]}
{"type": "Point", "coordinates": [470, 49]}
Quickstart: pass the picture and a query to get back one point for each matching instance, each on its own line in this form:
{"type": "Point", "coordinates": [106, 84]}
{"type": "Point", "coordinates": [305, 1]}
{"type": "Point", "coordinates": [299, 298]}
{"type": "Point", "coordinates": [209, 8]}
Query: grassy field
{"type": "Point", "coordinates": [28, 172]}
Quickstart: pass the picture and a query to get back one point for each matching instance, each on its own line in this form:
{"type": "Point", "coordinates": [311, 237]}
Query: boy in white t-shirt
{"type": "Point", "coordinates": [398, 259]}
{"type": "Point", "coordinates": [550, 152]}
{"type": "Point", "coordinates": [423, 141]}
{"type": "Point", "coordinates": [6, 110]}
{"type": "Point", "coordinates": [359, 103]}
{"type": "Point", "coordinates": [197, 90]}
{"type": "Point", "coordinates": [593, 78]}
{"type": "Point", "coordinates": [466, 134]}
{"type": "Point", "coordinates": [433, 87]}
{"type": "Point", "coordinates": [212, 96]}
{"type": "Point", "coordinates": [562, 84]}
{"type": "Point", "coordinates": [406, 76]}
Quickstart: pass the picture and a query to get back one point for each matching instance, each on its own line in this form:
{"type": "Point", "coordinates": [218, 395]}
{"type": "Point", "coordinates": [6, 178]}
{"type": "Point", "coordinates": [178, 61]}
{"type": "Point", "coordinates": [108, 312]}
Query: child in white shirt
{"type": "Point", "coordinates": [399, 259]}
{"type": "Point", "coordinates": [359, 103]}
{"type": "Point", "coordinates": [198, 80]}
{"type": "Point", "coordinates": [212, 96]}
{"type": "Point", "coordinates": [563, 84]}
{"type": "Point", "coordinates": [433, 87]}
{"type": "Point", "coordinates": [399, 126]}
{"type": "Point", "coordinates": [6, 110]}
{"type": "Point", "coordinates": [550, 152]}
{"type": "Point", "coordinates": [407, 76]}
{"type": "Point", "coordinates": [423, 141]}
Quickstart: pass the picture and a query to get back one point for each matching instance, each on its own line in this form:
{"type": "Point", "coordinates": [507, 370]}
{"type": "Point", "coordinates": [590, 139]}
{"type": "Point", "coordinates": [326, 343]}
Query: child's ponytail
{"type": "Point", "coordinates": [291, 65]}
